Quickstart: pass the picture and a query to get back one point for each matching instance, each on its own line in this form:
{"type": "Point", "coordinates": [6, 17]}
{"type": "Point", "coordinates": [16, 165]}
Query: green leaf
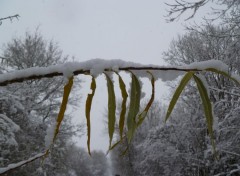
{"type": "Point", "coordinates": [224, 74]}
{"type": "Point", "coordinates": [124, 102]}
{"type": "Point", "coordinates": [67, 90]}
{"type": "Point", "coordinates": [88, 110]}
{"type": "Point", "coordinates": [177, 93]}
{"type": "Point", "coordinates": [142, 116]}
{"type": "Point", "coordinates": [207, 107]}
{"type": "Point", "coordinates": [111, 109]}
{"type": "Point", "coordinates": [133, 107]}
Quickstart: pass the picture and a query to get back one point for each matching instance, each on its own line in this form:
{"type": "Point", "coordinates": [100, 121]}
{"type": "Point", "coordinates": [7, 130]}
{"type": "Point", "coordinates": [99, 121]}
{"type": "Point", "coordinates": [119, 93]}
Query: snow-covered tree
{"type": "Point", "coordinates": [33, 105]}
{"type": "Point", "coordinates": [195, 47]}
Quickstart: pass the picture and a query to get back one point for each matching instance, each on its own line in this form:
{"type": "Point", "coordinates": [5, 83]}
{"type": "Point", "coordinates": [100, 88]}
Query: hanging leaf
{"type": "Point", "coordinates": [111, 108]}
{"type": "Point", "coordinates": [67, 90]}
{"type": "Point", "coordinates": [224, 74]}
{"type": "Point", "coordinates": [177, 93]}
{"type": "Point", "coordinates": [207, 107]}
{"type": "Point", "coordinates": [142, 116]}
{"type": "Point", "coordinates": [124, 102]}
{"type": "Point", "coordinates": [134, 106]}
{"type": "Point", "coordinates": [88, 110]}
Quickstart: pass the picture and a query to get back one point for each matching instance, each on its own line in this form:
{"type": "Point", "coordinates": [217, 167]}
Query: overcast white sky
{"type": "Point", "coordinates": [132, 30]}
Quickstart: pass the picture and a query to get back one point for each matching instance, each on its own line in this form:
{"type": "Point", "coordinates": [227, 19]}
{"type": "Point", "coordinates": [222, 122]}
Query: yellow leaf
{"type": "Point", "coordinates": [124, 102]}
{"type": "Point", "coordinates": [142, 116]}
{"type": "Point", "coordinates": [133, 107]}
{"type": "Point", "coordinates": [67, 90]}
{"type": "Point", "coordinates": [207, 108]}
{"type": "Point", "coordinates": [111, 109]}
{"type": "Point", "coordinates": [88, 110]}
{"type": "Point", "coordinates": [177, 93]}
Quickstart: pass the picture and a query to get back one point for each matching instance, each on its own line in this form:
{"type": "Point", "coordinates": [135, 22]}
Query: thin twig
{"type": "Point", "coordinates": [10, 18]}
{"type": "Point", "coordinates": [220, 90]}
{"type": "Point", "coordinates": [181, 6]}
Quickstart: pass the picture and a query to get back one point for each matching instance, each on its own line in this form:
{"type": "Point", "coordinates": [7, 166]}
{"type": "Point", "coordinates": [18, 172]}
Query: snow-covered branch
{"type": "Point", "coordinates": [10, 167]}
{"type": "Point", "coordinates": [98, 66]}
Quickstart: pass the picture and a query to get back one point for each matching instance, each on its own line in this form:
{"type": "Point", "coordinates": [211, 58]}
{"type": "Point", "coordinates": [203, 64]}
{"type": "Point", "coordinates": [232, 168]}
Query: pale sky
{"type": "Point", "coordinates": [131, 30]}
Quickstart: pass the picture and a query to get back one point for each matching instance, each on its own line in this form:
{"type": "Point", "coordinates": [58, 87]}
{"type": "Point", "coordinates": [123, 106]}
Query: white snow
{"type": "Point", "coordinates": [7, 131]}
{"type": "Point", "coordinates": [217, 64]}
{"type": "Point", "coordinates": [97, 66]}
{"type": "Point", "coordinates": [14, 126]}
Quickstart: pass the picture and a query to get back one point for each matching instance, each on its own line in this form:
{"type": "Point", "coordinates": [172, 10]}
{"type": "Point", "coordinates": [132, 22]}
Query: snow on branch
{"type": "Point", "coordinates": [14, 166]}
{"type": "Point", "coordinates": [95, 67]}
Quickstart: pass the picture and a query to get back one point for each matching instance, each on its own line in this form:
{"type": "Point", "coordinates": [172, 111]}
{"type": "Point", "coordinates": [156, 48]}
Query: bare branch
{"type": "Point", "coordinates": [181, 6]}
{"type": "Point", "coordinates": [9, 18]}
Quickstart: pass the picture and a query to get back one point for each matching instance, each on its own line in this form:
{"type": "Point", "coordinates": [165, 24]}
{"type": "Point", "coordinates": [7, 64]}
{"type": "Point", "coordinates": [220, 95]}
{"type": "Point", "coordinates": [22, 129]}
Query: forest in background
{"type": "Point", "coordinates": [182, 146]}
{"type": "Point", "coordinates": [28, 110]}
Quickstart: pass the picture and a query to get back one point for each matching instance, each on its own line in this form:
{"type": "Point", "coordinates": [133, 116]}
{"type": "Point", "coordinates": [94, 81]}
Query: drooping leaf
{"type": "Point", "coordinates": [207, 107]}
{"type": "Point", "coordinates": [67, 90]}
{"type": "Point", "coordinates": [111, 109]}
{"type": "Point", "coordinates": [124, 102]}
{"type": "Point", "coordinates": [177, 93]}
{"type": "Point", "coordinates": [143, 114]}
{"type": "Point", "coordinates": [133, 107]}
{"type": "Point", "coordinates": [88, 110]}
{"type": "Point", "coordinates": [224, 74]}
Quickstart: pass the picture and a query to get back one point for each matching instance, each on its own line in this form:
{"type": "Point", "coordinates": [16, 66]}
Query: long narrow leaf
{"type": "Point", "coordinates": [207, 107]}
{"type": "Point", "coordinates": [111, 109]}
{"type": "Point", "coordinates": [177, 93]}
{"type": "Point", "coordinates": [134, 106]}
{"type": "Point", "coordinates": [224, 74]}
{"type": "Point", "coordinates": [124, 102]}
{"type": "Point", "coordinates": [142, 116]}
{"type": "Point", "coordinates": [88, 110]}
{"type": "Point", "coordinates": [67, 90]}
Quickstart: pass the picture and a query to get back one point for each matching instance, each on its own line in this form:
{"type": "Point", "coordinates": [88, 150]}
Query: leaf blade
{"type": "Point", "coordinates": [177, 93]}
{"type": "Point", "coordinates": [143, 114]}
{"type": "Point", "coordinates": [133, 107]}
{"type": "Point", "coordinates": [66, 93]}
{"type": "Point", "coordinates": [207, 108]}
{"type": "Point", "coordinates": [123, 106]}
{"type": "Point", "coordinates": [111, 109]}
{"type": "Point", "coordinates": [88, 110]}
